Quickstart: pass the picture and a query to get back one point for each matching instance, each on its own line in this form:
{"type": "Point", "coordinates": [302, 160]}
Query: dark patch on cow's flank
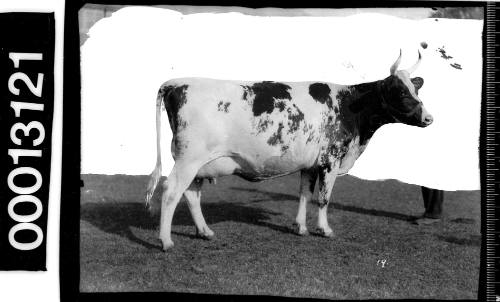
{"type": "Point", "coordinates": [330, 128]}
{"type": "Point", "coordinates": [173, 100]}
{"type": "Point", "coordinates": [222, 107]}
{"type": "Point", "coordinates": [265, 95]}
{"type": "Point", "coordinates": [280, 105]}
{"type": "Point", "coordinates": [307, 127]}
{"type": "Point", "coordinates": [294, 119]}
{"type": "Point", "coordinates": [276, 138]}
{"type": "Point", "coordinates": [443, 53]}
{"type": "Point", "coordinates": [456, 66]}
{"type": "Point", "coordinates": [219, 105]}
{"type": "Point", "coordinates": [246, 91]}
{"type": "Point", "coordinates": [347, 100]}
{"type": "Point", "coordinates": [311, 137]}
{"type": "Point", "coordinates": [182, 124]}
{"type": "Point", "coordinates": [423, 44]}
{"type": "Point", "coordinates": [263, 124]}
{"type": "Point", "coordinates": [321, 93]}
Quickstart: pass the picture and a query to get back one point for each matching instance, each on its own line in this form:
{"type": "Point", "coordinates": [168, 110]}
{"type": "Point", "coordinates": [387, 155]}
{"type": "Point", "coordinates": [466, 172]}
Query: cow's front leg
{"type": "Point", "coordinates": [326, 180]}
{"type": "Point", "coordinates": [307, 182]}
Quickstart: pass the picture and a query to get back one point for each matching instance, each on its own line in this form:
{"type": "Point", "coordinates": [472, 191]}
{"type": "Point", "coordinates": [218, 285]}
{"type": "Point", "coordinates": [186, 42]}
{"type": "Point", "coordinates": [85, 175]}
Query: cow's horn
{"type": "Point", "coordinates": [414, 67]}
{"type": "Point", "coordinates": [394, 66]}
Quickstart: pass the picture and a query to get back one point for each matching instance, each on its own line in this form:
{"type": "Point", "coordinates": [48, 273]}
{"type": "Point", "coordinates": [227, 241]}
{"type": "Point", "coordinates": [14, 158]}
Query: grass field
{"type": "Point", "coordinates": [377, 252]}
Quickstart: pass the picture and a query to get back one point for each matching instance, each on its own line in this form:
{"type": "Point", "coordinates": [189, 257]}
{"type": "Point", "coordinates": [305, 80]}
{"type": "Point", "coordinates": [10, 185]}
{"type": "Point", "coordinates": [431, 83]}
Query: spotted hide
{"type": "Point", "coordinates": [262, 130]}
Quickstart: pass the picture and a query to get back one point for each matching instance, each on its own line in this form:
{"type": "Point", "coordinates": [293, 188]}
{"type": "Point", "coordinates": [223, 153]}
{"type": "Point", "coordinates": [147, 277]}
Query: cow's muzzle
{"type": "Point", "coordinates": [427, 120]}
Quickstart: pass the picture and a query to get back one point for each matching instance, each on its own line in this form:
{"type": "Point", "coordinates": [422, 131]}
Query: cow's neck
{"type": "Point", "coordinates": [361, 110]}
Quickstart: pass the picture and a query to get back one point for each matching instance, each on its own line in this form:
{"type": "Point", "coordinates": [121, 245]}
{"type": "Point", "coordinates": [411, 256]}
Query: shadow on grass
{"type": "Point", "coordinates": [117, 217]}
{"type": "Point", "coordinates": [283, 197]}
{"type": "Point", "coordinates": [473, 240]}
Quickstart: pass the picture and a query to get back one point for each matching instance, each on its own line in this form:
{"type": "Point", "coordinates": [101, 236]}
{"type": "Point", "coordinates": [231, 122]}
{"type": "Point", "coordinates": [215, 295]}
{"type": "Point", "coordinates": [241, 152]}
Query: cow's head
{"type": "Point", "coordinates": [400, 96]}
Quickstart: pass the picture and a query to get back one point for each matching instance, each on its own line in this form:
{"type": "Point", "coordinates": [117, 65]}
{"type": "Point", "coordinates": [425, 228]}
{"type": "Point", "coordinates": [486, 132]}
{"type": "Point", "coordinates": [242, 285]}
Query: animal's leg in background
{"type": "Point", "coordinates": [193, 196]}
{"type": "Point", "coordinates": [326, 180]}
{"type": "Point", "coordinates": [434, 206]}
{"type": "Point", "coordinates": [180, 178]}
{"type": "Point", "coordinates": [307, 182]}
{"type": "Point", "coordinates": [433, 203]}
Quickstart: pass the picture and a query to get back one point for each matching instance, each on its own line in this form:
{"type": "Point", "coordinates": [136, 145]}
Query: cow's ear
{"type": "Point", "coordinates": [418, 82]}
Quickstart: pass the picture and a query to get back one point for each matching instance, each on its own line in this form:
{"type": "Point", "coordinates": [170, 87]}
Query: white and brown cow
{"type": "Point", "coordinates": [262, 130]}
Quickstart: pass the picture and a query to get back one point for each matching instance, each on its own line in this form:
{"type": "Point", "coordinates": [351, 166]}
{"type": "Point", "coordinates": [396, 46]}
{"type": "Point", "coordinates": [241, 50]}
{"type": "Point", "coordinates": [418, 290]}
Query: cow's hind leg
{"type": "Point", "coordinates": [193, 196]}
{"type": "Point", "coordinates": [325, 182]}
{"type": "Point", "coordinates": [307, 183]}
{"type": "Point", "coordinates": [180, 178]}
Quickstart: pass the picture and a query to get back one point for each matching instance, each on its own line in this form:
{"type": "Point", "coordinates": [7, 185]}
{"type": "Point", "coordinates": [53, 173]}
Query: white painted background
{"type": "Point", "coordinates": [129, 55]}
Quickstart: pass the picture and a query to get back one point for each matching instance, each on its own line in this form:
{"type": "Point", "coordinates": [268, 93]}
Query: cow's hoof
{"type": "Point", "coordinates": [328, 233]}
{"type": "Point", "coordinates": [299, 230]}
{"type": "Point", "coordinates": [206, 234]}
{"type": "Point", "coordinates": [167, 245]}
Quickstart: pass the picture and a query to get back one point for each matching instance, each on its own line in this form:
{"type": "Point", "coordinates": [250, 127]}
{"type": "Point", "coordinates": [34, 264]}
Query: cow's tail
{"type": "Point", "coordinates": [155, 176]}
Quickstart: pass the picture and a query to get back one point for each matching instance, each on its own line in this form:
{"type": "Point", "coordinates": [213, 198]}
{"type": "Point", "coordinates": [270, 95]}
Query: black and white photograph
{"type": "Point", "coordinates": [307, 153]}
{"type": "Point", "coordinates": [175, 150]}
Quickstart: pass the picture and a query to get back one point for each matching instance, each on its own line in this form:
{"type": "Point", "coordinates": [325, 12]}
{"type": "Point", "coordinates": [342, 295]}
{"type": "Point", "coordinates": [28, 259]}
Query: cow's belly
{"type": "Point", "coordinates": [254, 168]}
{"type": "Point", "coordinates": [219, 167]}
{"type": "Point", "coordinates": [223, 166]}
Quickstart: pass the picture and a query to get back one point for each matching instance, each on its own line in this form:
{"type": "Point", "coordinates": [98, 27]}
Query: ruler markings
{"type": "Point", "coordinates": [492, 152]}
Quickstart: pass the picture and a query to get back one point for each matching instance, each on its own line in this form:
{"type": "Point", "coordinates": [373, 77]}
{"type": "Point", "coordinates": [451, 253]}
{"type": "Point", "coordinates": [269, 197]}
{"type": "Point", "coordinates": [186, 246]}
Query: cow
{"type": "Point", "coordinates": [263, 130]}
